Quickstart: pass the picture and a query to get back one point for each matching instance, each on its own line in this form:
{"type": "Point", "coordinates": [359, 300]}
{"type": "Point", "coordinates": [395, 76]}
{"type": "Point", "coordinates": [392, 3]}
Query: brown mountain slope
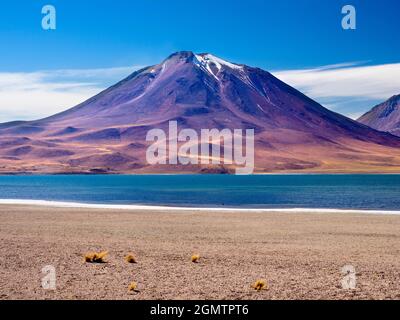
{"type": "Point", "coordinates": [107, 133]}
{"type": "Point", "coordinates": [385, 116]}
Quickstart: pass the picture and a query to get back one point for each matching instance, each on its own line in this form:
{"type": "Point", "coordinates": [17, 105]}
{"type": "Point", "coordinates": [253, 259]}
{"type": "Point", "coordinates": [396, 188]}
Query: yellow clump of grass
{"type": "Point", "coordinates": [260, 285]}
{"type": "Point", "coordinates": [195, 258]}
{"type": "Point", "coordinates": [130, 258]}
{"type": "Point", "coordinates": [95, 257]}
{"type": "Point", "coordinates": [132, 286]}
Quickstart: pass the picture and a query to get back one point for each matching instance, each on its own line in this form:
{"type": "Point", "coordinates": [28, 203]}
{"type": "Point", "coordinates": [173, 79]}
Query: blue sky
{"type": "Point", "coordinates": [98, 42]}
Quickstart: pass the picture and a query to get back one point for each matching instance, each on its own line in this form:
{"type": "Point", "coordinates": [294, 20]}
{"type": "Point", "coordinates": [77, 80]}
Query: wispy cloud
{"type": "Point", "coordinates": [346, 88]}
{"type": "Point", "coordinates": [33, 95]}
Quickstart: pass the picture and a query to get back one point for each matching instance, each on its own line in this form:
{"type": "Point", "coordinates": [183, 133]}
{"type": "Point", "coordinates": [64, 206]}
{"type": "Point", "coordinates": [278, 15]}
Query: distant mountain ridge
{"type": "Point", "coordinates": [107, 132]}
{"type": "Point", "coordinates": [384, 116]}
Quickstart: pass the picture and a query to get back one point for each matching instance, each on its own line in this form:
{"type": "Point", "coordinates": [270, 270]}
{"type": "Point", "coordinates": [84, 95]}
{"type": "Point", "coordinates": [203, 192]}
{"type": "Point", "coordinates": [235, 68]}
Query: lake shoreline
{"type": "Point", "coordinates": [166, 208]}
{"type": "Point", "coordinates": [378, 194]}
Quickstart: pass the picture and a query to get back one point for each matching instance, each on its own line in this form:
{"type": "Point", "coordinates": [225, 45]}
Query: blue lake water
{"type": "Point", "coordinates": [259, 191]}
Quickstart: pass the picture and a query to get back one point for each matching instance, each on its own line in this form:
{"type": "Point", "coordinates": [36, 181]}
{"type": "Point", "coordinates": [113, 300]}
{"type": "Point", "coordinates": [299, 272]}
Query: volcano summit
{"type": "Point", "coordinates": [107, 133]}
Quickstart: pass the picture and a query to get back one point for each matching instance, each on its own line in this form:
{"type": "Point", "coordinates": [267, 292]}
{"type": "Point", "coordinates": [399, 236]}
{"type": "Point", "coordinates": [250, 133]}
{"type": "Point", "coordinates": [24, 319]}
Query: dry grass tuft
{"type": "Point", "coordinates": [260, 285]}
{"type": "Point", "coordinates": [130, 258]}
{"type": "Point", "coordinates": [94, 257]}
{"type": "Point", "coordinates": [195, 258]}
{"type": "Point", "coordinates": [132, 286]}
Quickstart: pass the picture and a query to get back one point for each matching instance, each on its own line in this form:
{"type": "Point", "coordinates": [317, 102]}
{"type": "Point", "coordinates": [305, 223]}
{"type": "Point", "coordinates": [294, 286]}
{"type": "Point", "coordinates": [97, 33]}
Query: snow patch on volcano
{"type": "Point", "coordinates": [213, 64]}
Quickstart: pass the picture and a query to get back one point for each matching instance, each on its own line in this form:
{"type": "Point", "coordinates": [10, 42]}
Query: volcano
{"type": "Point", "coordinates": [385, 116]}
{"type": "Point", "coordinates": [107, 133]}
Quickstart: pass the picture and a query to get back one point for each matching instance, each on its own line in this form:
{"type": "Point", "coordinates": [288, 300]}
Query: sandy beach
{"type": "Point", "coordinates": [300, 255]}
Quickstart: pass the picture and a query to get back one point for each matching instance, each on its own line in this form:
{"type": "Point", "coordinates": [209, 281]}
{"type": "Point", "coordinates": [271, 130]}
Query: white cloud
{"type": "Point", "coordinates": [33, 95]}
{"type": "Point", "coordinates": [347, 88]}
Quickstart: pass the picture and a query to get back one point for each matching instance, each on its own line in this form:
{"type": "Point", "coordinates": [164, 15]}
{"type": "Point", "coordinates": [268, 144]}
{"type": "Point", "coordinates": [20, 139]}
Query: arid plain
{"type": "Point", "coordinates": [300, 255]}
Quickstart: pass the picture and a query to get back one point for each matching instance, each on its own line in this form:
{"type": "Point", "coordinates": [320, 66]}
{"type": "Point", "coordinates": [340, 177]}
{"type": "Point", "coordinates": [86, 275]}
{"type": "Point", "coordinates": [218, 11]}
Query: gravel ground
{"type": "Point", "coordinates": [299, 255]}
